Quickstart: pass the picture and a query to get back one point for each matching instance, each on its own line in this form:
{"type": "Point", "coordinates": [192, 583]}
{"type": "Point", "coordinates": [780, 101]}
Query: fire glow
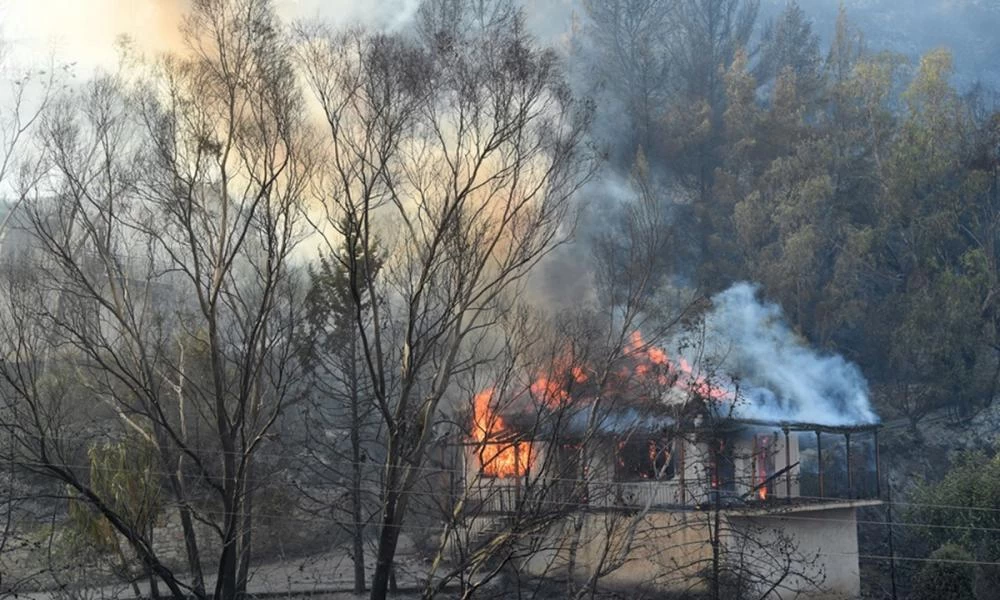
{"type": "Point", "coordinates": [642, 366]}
{"type": "Point", "coordinates": [497, 459]}
{"type": "Point", "coordinates": [677, 374]}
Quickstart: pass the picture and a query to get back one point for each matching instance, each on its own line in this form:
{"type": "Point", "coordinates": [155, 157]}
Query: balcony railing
{"type": "Point", "coordinates": [509, 496]}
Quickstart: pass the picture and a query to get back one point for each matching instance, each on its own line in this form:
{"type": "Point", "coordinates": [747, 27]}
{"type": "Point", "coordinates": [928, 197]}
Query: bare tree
{"type": "Point", "coordinates": [508, 480]}
{"type": "Point", "coordinates": [535, 435]}
{"type": "Point", "coordinates": [160, 278]}
{"type": "Point", "coordinates": [565, 497]}
{"type": "Point", "coordinates": [468, 146]}
{"type": "Point", "coordinates": [25, 93]}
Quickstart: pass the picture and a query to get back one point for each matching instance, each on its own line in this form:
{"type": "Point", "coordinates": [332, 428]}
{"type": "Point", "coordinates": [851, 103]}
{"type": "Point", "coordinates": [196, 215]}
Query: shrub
{"type": "Point", "coordinates": [949, 574]}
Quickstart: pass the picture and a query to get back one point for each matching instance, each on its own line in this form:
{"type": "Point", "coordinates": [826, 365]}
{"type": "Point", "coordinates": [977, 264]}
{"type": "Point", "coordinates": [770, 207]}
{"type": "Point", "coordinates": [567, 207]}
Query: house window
{"type": "Point", "coordinates": [570, 483]}
{"type": "Point", "coordinates": [722, 468]}
{"type": "Point", "coordinates": [762, 478]}
{"type": "Point", "coordinates": [503, 460]}
{"type": "Point", "coordinates": [645, 459]}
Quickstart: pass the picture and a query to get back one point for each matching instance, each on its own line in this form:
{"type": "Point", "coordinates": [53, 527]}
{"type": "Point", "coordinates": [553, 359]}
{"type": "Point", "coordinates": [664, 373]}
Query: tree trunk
{"type": "Point", "coordinates": [716, 539]}
{"type": "Point", "coordinates": [187, 526]}
{"type": "Point", "coordinates": [388, 538]}
{"type": "Point", "coordinates": [193, 553]}
{"type": "Point", "coordinates": [246, 536]}
{"type": "Point", "coordinates": [176, 479]}
{"type": "Point", "coordinates": [248, 488]}
{"type": "Point", "coordinates": [124, 568]}
{"type": "Point", "coordinates": [574, 547]}
{"type": "Point", "coordinates": [392, 511]}
{"type": "Point", "coordinates": [358, 529]}
{"type": "Point", "coordinates": [225, 585]}
{"type": "Point", "coordinates": [154, 587]}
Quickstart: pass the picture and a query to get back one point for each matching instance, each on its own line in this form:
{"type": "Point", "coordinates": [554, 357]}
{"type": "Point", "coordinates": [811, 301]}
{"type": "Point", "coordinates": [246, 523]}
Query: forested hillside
{"type": "Point", "coordinates": [847, 161]}
{"type": "Point", "coordinates": [857, 186]}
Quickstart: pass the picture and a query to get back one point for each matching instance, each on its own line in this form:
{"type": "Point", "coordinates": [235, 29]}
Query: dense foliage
{"type": "Point", "coordinates": [949, 579]}
{"type": "Point", "coordinates": [859, 190]}
{"type": "Point", "coordinates": [968, 498]}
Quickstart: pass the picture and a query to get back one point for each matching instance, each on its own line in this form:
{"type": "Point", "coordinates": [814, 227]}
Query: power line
{"type": "Point", "coordinates": [440, 528]}
{"type": "Point", "coordinates": [532, 479]}
{"type": "Point", "coordinates": [529, 505]}
{"type": "Point", "coordinates": [378, 466]}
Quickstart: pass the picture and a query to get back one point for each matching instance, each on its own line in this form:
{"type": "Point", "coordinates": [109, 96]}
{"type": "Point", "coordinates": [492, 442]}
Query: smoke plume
{"type": "Point", "coordinates": [778, 376]}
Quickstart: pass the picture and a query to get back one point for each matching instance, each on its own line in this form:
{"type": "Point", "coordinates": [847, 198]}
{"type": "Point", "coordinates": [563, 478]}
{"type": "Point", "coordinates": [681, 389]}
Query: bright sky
{"type": "Point", "coordinates": [84, 31]}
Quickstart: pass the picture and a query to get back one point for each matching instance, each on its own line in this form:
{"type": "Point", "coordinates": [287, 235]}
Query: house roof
{"type": "Point", "coordinates": [616, 423]}
{"type": "Point", "coordinates": [817, 427]}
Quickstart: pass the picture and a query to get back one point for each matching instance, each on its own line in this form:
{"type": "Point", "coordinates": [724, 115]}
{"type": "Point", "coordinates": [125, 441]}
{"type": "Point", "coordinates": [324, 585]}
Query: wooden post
{"type": "Point", "coordinates": [788, 464]}
{"type": "Point", "coordinates": [517, 475]}
{"type": "Point", "coordinates": [878, 469]}
{"type": "Point", "coordinates": [683, 467]}
{"type": "Point", "coordinates": [819, 461]}
{"type": "Point", "coordinates": [892, 548]}
{"type": "Point", "coordinates": [850, 473]}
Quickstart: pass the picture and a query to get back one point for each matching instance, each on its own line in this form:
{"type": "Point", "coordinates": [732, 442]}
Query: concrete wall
{"type": "Point", "coordinates": [810, 551]}
{"type": "Point", "coordinates": [828, 538]}
{"type": "Point", "coordinates": [655, 551]}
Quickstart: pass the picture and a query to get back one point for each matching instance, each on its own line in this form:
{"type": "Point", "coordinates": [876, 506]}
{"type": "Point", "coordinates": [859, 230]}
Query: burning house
{"type": "Point", "coordinates": [652, 475]}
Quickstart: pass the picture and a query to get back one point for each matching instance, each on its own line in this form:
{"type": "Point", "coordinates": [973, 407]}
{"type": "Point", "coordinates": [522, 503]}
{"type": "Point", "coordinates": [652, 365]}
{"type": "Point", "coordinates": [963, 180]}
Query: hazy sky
{"type": "Point", "coordinates": [84, 31]}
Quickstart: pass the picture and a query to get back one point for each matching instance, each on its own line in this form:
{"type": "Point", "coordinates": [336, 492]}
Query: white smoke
{"type": "Point", "coordinates": [384, 15]}
{"type": "Point", "coordinates": [779, 377]}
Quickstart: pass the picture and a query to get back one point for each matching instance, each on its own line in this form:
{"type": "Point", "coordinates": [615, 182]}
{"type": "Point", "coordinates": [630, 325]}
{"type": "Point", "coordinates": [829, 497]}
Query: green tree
{"type": "Point", "coordinates": [777, 188]}
{"type": "Point", "coordinates": [964, 509]}
{"type": "Point", "coordinates": [788, 43]}
{"type": "Point", "coordinates": [711, 34]}
{"type": "Point", "coordinates": [333, 305]}
{"type": "Point", "coordinates": [932, 305]}
{"type": "Point", "coordinates": [949, 576]}
{"type": "Point", "coordinates": [124, 473]}
{"type": "Point", "coordinates": [629, 44]}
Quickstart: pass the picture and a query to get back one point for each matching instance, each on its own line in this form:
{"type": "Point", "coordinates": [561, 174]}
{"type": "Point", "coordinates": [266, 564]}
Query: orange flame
{"type": "Point", "coordinates": [497, 459]}
{"type": "Point", "coordinates": [679, 373]}
{"type": "Point", "coordinates": [553, 389]}
{"type": "Point", "coordinates": [762, 446]}
{"type": "Point", "coordinates": [556, 388]}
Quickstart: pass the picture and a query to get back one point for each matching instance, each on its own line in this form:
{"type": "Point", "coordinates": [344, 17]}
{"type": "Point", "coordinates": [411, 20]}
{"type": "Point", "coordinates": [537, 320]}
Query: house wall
{"type": "Point", "coordinates": [645, 541]}
{"type": "Point", "coordinates": [654, 551]}
{"type": "Point", "coordinates": [811, 553]}
{"type": "Point", "coordinates": [826, 538]}
{"type": "Point", "coordinates": [692, 483]}
{"type": "Point", "coordinates": [690, 486]}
